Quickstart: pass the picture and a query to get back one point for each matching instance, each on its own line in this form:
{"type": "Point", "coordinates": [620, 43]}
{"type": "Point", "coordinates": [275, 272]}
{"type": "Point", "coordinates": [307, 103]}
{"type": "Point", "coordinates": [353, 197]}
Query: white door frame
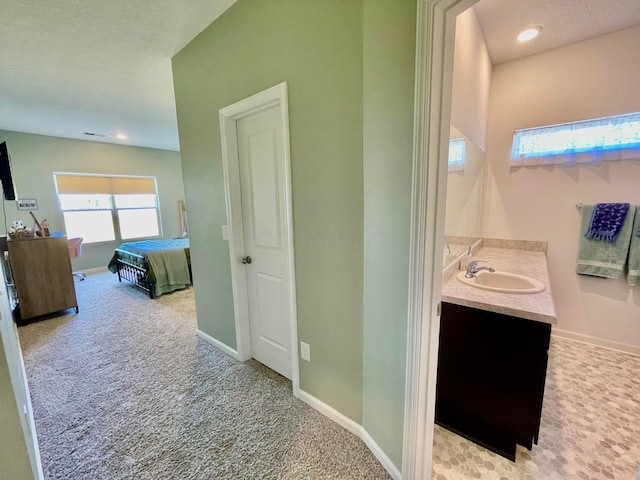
{"type": "Point", "coordinates": [435, 42]}
{"type": "Point", "coordinates": [259, 102]}
{"type": "Point", "coordinates": [17, 371]}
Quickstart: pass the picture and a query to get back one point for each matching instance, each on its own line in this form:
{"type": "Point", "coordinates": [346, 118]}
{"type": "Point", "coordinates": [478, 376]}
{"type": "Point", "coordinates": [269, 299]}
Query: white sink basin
{"type": "Point", "coordinates": [504, 282]}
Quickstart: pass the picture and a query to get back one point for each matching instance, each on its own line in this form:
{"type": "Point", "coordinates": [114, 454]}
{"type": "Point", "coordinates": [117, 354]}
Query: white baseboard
{"type": "Point", "coordinates": [354, 428]}
{"type": "Point", "coordinates": [89, 271]}
{"type": "Point", "coordinates": [596, 341]}
{"type": "Point", "coordinates": [330, 412]}
{"type": "Point", "coordinates": [386, 462]}
{"type": "Point", "coordinates": [217, 343]}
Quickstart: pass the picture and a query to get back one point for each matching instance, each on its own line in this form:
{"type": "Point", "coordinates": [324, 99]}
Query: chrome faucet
{"type": "Point", "coordinates": [473, 268]}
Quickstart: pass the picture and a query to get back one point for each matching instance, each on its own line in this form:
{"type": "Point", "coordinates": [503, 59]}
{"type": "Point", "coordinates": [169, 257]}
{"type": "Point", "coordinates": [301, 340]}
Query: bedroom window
{"type": "Point", "coordinates": [588, 141]}
{"type": "Point", "coordinates": [137, 215]}
{"type": "Point", "coordinates": [108, 208]}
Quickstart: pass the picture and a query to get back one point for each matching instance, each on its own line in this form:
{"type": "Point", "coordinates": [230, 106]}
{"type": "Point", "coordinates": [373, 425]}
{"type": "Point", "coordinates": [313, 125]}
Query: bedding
{"type": "Point", "coordinates": [157, 266]}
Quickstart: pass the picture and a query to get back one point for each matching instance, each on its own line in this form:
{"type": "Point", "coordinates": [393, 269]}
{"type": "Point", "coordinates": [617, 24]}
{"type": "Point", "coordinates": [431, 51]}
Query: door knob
{"type": "Point", "coordinates": [246, 260]}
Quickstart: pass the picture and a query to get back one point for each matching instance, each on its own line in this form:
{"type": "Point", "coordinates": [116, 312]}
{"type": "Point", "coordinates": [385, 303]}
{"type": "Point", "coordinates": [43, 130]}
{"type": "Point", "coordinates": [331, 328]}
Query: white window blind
{"type": "Point", "coordinates": [457, 154]}
{"type": "Point", "coordinates": [107, 208]}
{"type": "Point", "coordinates": [588, 141]}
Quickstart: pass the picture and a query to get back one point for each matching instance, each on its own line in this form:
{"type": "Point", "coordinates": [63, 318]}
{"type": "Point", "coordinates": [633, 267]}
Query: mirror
{"type": "Point", "coordinates": [453, 248]}
{"type": "Point", "coordinates": [465, 196]}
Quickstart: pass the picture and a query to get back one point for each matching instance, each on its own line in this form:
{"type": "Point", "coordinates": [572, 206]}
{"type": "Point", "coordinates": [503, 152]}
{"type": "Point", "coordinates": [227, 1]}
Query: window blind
{"type": "Point", "coordinates": [588, 141]}
{"type": "Point", "coordinates": [102, 184]}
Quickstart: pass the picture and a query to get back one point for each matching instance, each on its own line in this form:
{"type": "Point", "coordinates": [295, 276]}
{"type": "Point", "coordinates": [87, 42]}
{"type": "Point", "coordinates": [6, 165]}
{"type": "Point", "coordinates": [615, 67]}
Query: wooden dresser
{"type": "Point", "coordinates": [42, 275]}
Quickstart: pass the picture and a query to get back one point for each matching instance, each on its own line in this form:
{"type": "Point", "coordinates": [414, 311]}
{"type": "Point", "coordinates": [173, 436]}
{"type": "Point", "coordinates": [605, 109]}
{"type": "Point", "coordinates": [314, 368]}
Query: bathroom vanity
{"type": "Point", "coordinates": [493, 352]}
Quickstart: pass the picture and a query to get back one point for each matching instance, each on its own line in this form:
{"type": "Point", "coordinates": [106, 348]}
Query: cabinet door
{"type": "Point", "coordinates": [489, 377]}
{"type": "Point", "coordinates": [42, 273]}
{"type": "Point", "coordinates": [543, 377]}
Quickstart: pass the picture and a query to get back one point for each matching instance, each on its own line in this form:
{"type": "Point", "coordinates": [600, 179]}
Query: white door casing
{"type": "Point", "coordinates": [435, 42]}
{"type": "Point", "coordinates": [266, 160]}
{"type": "Point", "coordinates": [265, 241]}
{"type": "Point", "coordinates": [18, 374]}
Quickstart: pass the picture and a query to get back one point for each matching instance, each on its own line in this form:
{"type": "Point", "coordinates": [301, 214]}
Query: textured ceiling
{"type": "Point", "coordinates": [74, 66]}
{"type": "Point", "coordinates": [564, 22]}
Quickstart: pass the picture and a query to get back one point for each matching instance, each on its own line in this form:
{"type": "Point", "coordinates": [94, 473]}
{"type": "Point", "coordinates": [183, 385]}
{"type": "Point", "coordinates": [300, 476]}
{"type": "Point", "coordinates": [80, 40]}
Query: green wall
{"type": "Point", "coordinates": [34, 158]}
{"type": "Point", "coordinates": [389, 59]}
{"type": "Point", "coordinates": [14, 459]}
{"type": "Point", "coordinates": [316, 47]}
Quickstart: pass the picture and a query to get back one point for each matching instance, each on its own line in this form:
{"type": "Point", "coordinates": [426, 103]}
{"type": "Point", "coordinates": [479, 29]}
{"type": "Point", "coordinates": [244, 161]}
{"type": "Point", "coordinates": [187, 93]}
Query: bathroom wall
{"type": "Point", "coordinates": [469, 116]}
{"type": "Point", "coordinates": [589, 79]}
{"type": "Point", "coordinates": [471, 80]}
{"type": "Point", "coordinates": [465, 192]}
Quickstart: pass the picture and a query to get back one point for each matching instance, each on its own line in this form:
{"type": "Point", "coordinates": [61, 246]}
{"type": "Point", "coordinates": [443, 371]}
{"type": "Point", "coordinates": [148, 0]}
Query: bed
{"type": "Point", "coordinates": [155, 266]}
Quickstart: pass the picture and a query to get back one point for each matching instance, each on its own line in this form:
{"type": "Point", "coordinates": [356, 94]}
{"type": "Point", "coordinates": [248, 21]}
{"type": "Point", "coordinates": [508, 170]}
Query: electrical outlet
{"type": "Point", "coordinates": [305, 351]}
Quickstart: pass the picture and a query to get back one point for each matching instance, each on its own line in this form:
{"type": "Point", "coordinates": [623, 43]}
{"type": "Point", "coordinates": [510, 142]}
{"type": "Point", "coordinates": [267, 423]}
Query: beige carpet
{"type": "Point", "coordinates": [125, 390]}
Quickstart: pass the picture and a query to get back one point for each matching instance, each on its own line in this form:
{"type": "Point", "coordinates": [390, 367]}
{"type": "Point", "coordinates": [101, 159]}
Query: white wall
{"type": "Point", "coordinates": [14, 457]}
{"type": "Point", "coordinates": [590, 79]}
{"type": "Point", "coordinates": [465, 192]}
{"type": "Point", "coordinates": [469, 116]}
{"type": "Point", "coordinates": [471, 80]}
{"type": "Point", "coordinates": [19, 454]}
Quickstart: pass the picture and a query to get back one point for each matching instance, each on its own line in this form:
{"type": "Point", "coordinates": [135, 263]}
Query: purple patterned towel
{"type": "Point", "coordinates": [606, 221]}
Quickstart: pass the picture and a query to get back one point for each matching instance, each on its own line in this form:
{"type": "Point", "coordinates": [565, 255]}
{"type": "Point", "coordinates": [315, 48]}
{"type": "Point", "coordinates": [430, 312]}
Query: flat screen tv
{"type": "Point", "coordinates": [5, 173]}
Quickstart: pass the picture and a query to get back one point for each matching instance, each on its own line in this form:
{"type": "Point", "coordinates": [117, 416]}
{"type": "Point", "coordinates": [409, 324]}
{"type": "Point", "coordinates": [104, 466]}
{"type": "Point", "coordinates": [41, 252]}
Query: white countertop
{"type": "Point", "coordinates": [532, 306]}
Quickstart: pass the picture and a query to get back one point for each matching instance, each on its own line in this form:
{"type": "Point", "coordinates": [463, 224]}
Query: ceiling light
{"type": "Point", "coordinates": [529, 33]}
{"type": "Point", "coordinates": [122, 136]}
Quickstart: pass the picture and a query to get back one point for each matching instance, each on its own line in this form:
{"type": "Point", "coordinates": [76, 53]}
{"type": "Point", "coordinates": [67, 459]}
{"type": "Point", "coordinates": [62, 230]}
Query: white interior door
{"type": "Point", "coordinates": [262, 185]}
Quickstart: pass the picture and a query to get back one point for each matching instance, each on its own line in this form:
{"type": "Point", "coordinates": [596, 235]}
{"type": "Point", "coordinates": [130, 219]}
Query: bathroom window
{"type": "Point", "coordinates": [457, 154]}
{"type": "Point", "coordinates": [588, 141]}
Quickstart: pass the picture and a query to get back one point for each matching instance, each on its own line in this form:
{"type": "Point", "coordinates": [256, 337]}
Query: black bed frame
{"type": "Point", "coordinates": [135, 273]}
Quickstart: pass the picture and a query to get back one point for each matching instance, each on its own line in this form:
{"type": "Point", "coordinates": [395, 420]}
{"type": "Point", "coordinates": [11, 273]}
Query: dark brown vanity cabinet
{"type": "Point", "coordinates": [491, 376]}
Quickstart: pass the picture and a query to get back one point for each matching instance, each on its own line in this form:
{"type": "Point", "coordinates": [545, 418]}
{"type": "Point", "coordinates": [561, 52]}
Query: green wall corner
{"type": "Point", "coordinates": [389, 71]}
{"type": "Point", "coordinates": [350, 68]}
{"type": "Point", "coordinates": [316, 47]}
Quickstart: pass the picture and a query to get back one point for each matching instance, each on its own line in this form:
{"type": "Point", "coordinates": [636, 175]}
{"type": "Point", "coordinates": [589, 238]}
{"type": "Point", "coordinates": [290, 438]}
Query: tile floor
{"type": "Point", "coordinates": [590, 424]}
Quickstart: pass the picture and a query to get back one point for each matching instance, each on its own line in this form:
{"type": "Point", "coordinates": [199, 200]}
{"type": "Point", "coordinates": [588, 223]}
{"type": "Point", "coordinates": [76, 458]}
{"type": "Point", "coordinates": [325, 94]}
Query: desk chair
{"type": "Point", "coordinates": [75, 249]}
